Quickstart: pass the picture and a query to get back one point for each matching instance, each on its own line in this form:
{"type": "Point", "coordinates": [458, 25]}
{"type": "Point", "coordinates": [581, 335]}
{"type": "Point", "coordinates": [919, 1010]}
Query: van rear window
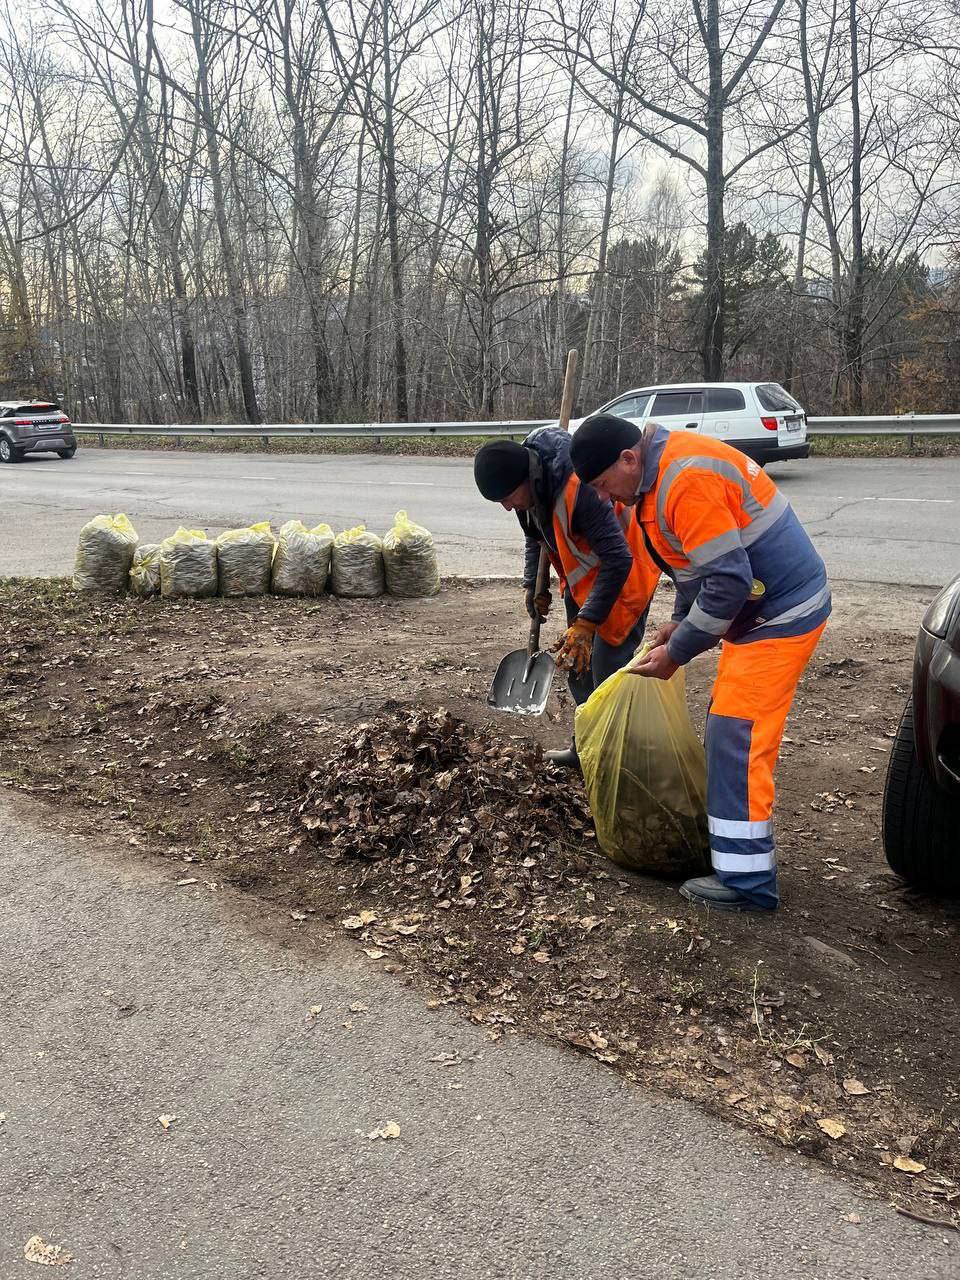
{"type": "Point", "coordinates": [772, 396]}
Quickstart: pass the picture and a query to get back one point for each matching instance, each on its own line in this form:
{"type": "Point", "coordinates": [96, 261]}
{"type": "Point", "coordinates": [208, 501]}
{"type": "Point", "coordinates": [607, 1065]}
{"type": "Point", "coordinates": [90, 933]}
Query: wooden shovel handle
{"type": "Point", "coordinates": [543, 564]}
{"type": "Point", "coordinates": [569, 388]}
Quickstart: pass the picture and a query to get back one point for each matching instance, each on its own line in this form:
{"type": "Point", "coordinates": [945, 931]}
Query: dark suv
{"type": "Point", "coordinates": [921, 801]}
{"type": "Point", "coordinates": [34, 427]}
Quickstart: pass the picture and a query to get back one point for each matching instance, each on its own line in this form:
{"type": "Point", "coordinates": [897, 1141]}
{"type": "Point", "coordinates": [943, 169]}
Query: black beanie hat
{"type": "Point", "coordinates": [599, 441]}
{"type": "Point", "coordinates": [500, 467]}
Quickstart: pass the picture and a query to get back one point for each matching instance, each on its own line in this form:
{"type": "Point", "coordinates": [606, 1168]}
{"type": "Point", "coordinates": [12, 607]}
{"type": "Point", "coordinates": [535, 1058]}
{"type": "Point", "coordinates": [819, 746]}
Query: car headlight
{"type": "Point", "coordinates": [937, 618]}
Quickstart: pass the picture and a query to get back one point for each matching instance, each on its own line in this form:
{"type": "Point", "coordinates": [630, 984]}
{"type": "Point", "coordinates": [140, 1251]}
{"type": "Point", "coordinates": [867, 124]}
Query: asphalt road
{"type": "Point", "coordinates": [874, 520]}
{"type": "Point", "coordinates": [125, 997]}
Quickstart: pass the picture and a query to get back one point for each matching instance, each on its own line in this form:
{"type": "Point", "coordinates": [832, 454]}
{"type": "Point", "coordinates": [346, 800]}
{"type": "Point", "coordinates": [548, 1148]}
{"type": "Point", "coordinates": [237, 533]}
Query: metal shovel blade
{"type": "Point", "coordinates": [522, 684]}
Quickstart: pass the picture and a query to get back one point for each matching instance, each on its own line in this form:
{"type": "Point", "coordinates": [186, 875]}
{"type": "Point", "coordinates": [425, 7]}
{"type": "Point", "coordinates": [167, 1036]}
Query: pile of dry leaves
{"type": "Point", "coordinates": [452, 800]}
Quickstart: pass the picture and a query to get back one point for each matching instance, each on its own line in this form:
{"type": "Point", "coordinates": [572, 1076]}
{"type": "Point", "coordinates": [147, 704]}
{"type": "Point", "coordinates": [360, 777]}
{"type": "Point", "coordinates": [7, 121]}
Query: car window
{"type": "Point", "coordinates": [724, 400]}
{"type": "Point", "coordinates": [677, 403]}
{"type": "Point", "coordinates": [630, 406]}
{"type": "Point", "coordinates": [772, 396]}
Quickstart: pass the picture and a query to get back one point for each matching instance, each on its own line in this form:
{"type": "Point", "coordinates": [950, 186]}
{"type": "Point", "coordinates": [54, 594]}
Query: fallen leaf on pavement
{"type": "Point", "coordinates": [389, 1130]}
{"type": "Point", "coordinates": [797, 1060]}
{"type": "Point", "coordinates": [832, 1128]}
{"type": "Point", "coordinates": [374, 953]}
{"type": "Point", "coordinates": [906, 1165]}
{"type": "Point", "coordinates": [166, 1121]}
{"type": "Point", "coordinates": [46, 1255]}
{"type": "Point", "coordinates": [856, 1088]}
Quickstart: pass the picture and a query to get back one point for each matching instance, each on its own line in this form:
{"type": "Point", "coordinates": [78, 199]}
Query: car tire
{"type": "Point", "coordinates": [920, 820]}
{"type": "Point", "coordinates": [66, 453]}
{"type": "Point", "coordinates": [8, 453]}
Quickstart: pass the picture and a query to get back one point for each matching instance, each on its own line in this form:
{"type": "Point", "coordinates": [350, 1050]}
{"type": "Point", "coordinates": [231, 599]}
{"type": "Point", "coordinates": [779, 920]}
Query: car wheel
{"type": "Point", "coordinates": [7, 452]}
{"type": "Point", "coordinates": [66, 453]}
{"type": "Point", "coordinates": [920, 820]}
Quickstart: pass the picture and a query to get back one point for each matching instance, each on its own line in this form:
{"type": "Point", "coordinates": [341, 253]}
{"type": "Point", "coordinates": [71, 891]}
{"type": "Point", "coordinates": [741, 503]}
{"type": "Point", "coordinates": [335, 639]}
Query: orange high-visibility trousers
{"type": "Point", "coordinates": [751, 699]}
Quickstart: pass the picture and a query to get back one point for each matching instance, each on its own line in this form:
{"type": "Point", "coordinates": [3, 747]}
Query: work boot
{"type": "Point", "coordinates": [566, 759]}
{"type": "Point", "coordinates": [708, 891]}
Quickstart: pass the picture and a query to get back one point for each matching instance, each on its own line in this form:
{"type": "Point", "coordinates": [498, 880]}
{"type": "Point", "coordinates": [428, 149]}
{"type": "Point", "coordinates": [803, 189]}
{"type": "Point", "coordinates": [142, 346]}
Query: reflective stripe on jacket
{"type": "Point", "coordinates": [725, 530]}
{"type": "Point", "coordinates": [579, 565]}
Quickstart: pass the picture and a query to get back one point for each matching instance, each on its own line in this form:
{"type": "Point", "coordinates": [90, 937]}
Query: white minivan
{"type": "Point", "coordinates": [758, 418]}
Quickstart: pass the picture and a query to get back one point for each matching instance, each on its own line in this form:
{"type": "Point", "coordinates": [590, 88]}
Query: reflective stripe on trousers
{"type": "Point", "coordinates": [750, 702]}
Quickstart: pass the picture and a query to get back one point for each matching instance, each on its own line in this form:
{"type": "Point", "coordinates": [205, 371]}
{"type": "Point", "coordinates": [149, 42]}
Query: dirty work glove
{"type": "Point", "coordinates": [574, 649]}
{"type": "Point", "coordinates": [538, 606]}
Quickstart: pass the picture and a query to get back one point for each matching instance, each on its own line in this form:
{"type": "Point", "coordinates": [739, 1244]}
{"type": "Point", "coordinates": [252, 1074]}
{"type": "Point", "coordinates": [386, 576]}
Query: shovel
{"type": "Point", "coordinates": [523, 679]}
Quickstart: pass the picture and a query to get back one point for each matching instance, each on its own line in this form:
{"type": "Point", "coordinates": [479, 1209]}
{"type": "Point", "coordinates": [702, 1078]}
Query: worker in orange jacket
{"type": "Point", "coordinates": [748, 578]}
{"type": "Point", "coordinates": [606, 576]}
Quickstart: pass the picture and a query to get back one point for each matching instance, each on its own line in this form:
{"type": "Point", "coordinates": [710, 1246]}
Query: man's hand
{"type": "Point", "coordinates": [538, 606]}
{"type": "Point", "coordinates": [662, 634]}
{"type": "Point", "coordinates": [655, 662]}
{"type": "Point", "coordinates": [574, 649]}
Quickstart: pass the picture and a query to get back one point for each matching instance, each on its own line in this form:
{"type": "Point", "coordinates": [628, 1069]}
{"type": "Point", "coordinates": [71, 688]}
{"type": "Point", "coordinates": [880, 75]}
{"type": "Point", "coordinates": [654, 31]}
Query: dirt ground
{"type": "Point", "coordinates": [297, 750]}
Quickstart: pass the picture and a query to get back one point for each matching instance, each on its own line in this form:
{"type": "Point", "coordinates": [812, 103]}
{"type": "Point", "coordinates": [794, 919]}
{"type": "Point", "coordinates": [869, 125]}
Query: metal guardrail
{"type": "Point", "coordinates": [902, 424]}
{"type": "Point", "coordinates": [907, 424]}
{"type": "Point", "coordinates": [377, 430]}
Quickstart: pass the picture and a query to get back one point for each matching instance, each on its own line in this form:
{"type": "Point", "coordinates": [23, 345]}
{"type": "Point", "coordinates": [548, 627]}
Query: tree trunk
{"type": "Point", "coordinates": [589, 379]}
{"type": "Point", "coordinates": [853, 329]}
{"type": "Point", "coordinates": [790, 377]}
{"type": "Point", "coordinates": [231, 270]}
{"type": "Point", "coordinates": [714, 300]}
{"type": "Point", "coordinates": [393, 234]}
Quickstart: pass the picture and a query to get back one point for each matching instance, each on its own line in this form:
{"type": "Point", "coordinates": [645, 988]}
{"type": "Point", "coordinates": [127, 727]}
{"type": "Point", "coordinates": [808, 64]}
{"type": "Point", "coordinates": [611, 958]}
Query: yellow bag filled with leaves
{"type": "Point", "coordinates": [104, 554]}
{"type": "Point", "coordinates": [244, 558]}
{"type": "Point", "coordinates": [145, 570]}
{"type": "Point", "coordinates": [188, 564]}
{"type": "Point", "coordinates": [357, 563]}
{"type": "Point", "coordinates": [645, 774]}
{"type": "Point", "coordinates": [410, 559]}
{"type": "Point", "coordinates": [301, 565]}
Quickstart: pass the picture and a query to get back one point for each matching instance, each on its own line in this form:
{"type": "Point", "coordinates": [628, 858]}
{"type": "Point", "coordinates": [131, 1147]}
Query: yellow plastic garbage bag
{"type": "Point", "coordinates": [301, 565]}
{"type": "Point", "coordinates": [245, 558]}
{"type": "Point", "coordinates": [410, 559]}
{"type": "Point", "coordinates": [188, 564]}
{"type": "Point", "coordinates": [145, 570]}
{"type": "Point", "coordinates": [645, 774]}
{"type": "Point", "coordinates": [104, 554]}
{"type": "Point", "coordinates": [357, 563]}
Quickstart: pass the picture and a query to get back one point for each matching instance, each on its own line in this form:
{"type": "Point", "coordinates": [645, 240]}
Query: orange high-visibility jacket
{"type": "Point", "coordinates": [579, 565]}
{"type": "Point", "coordinates": [744, 566]}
